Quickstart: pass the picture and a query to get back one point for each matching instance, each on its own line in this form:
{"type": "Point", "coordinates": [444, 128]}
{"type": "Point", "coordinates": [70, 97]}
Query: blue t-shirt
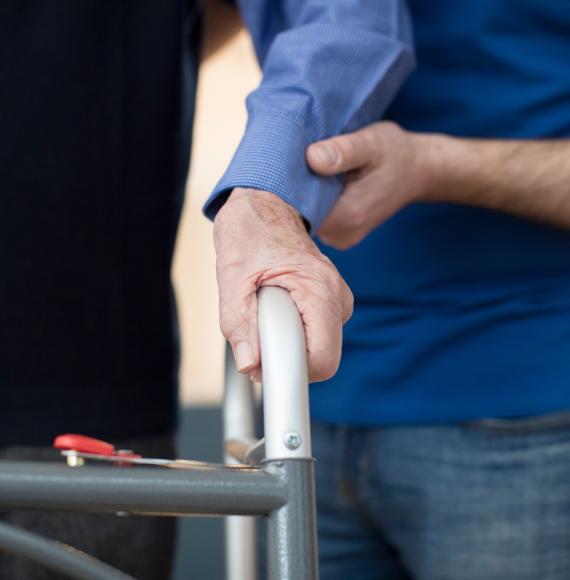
{"type": "Point", "coordinates": [464, 313]}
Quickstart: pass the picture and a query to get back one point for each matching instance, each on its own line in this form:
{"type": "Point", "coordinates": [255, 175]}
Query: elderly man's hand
{"type": "Point", "coordinates": [385, 172]}
{"type": "Point", "coordinates": [261, 241]}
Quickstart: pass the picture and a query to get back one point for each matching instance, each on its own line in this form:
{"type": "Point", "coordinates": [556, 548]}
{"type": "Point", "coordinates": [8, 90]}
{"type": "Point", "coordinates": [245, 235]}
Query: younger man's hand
{"type": "Point", "coordinates": [385, 171]}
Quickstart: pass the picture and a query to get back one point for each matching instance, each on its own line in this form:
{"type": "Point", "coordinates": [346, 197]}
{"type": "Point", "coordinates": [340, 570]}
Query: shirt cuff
{"type": "Point", "coordinates": [271, 157]}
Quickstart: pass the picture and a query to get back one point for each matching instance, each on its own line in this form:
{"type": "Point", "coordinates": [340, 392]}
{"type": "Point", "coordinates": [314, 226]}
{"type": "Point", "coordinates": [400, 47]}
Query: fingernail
{"type": "Point", "coordinates": [244, 356]}
{"type": "Point", "coordinates": [326, 153]}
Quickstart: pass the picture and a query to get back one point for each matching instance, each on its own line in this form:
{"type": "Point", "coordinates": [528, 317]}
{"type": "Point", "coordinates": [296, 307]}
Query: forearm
{"type": "Point", "coordinates": [530, 179]}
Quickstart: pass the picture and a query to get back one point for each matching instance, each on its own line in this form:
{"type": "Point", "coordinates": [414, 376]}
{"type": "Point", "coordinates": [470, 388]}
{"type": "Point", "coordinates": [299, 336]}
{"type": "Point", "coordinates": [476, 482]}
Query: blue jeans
{"type": "Point", "coordinates": [485, 501]}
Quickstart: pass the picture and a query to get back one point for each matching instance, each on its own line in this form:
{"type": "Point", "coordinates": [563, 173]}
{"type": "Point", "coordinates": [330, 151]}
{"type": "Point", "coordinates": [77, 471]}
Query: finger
{"type": "Point", "coordinates": [238, 322]}
{"type": "Point", "coordinates": [346, 224]}
{"type": "Point", "coordinates": [345, 213]}
{"type": "Point", "coordinates": [323, 332]}
{"type": "Point", "coordinates": [341, 240]}
{"type": "Point", "coordinates": [343, 153]}
{"type": "Point", "coordinates": [323, 315]}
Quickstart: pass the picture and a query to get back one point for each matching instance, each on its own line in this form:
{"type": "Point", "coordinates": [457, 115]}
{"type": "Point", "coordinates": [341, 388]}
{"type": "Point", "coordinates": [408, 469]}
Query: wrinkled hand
{"type": "Point", "coordinates": [385, 172]}
{"type": "Point", "coordinates": [261, 241]}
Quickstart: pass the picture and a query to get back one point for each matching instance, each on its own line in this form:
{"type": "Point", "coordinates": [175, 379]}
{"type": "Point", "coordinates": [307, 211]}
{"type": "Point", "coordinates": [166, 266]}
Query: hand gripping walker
{"type": "Point", "coordinates": [278, 484]}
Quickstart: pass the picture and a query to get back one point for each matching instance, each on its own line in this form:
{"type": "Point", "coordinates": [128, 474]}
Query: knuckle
{"type": "Point", "coordinates": [368, 137]}
{"type": "Point", "coordinates": [341, 293]}
{"type": "Point", "coordinates": [347, 147]}
{"type": "Point", "coordinates": [332, 278]}
{"type": "Point", "coordinates": [226, 327]}
{"type": "Point", "coordinates": [229, 322]}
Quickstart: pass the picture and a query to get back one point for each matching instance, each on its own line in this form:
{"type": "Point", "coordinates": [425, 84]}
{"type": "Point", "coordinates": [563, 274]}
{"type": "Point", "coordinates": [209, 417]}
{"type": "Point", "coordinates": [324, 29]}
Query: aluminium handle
{"type": "Point", "coordinates": [284, 376]}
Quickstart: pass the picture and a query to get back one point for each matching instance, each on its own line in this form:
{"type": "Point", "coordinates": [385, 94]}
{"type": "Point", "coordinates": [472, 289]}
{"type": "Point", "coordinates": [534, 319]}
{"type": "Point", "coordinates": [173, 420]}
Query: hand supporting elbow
{"type": "Point", "coordinates": [387, 168]}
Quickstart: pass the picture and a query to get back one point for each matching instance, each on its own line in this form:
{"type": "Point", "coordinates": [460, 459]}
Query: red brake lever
{"type": "Point", "coordinates": [83, 444]}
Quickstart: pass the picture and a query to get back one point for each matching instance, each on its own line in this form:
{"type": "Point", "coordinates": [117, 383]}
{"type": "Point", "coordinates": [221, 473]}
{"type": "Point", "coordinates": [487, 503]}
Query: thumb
{"type": "Point", "coordinates": [341, 154]}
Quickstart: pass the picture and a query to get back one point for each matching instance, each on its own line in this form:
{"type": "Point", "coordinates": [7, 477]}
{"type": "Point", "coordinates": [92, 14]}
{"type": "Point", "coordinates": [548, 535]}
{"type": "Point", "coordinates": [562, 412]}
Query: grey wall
{"type": "Point", "coordinates": [200, 553]}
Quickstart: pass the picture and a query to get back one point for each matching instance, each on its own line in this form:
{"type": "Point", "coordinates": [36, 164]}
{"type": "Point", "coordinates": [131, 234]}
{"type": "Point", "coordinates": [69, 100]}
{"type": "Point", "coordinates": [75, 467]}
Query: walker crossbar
{"type": "Point", "coordinates": [214, 490]}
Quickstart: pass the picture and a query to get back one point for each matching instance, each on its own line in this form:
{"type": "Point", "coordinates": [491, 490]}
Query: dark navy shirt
{"type": "Point", "coordinates": [96, 103]}
{"type": "Point", "coordinates": [464, 313]}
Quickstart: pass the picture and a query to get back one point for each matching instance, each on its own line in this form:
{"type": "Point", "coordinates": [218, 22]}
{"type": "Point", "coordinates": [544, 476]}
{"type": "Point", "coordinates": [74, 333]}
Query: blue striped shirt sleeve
{"type": "Point", "coordinates": [329, 67]}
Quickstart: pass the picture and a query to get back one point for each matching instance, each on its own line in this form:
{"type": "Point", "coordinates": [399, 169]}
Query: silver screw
{"type": "Point", "coordinates": [292, 440]}
{"type": "Point", "coordinates": [74, 460]}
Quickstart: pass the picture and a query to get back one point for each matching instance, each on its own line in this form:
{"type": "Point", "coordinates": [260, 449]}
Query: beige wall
{"type": "Point", "coordinates": [225, 80]}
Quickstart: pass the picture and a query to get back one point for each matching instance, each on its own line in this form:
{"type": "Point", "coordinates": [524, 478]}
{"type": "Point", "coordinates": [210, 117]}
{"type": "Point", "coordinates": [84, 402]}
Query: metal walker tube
{"type": "Point", "coordinates": [292, 531]}
{"type": "Point", "coordinates": [285, 378]}
{"type": "Point", "coordinates": [239, 426]}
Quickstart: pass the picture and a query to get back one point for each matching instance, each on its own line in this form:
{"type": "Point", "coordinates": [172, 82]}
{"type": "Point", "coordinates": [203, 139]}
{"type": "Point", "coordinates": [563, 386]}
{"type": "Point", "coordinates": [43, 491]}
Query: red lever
{"type": "Point", "coordinates": [83, 444]}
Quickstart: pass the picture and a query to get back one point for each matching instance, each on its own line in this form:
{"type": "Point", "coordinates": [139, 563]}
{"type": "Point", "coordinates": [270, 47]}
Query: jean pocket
{"type": "Point", "coordinates": [520, 425]}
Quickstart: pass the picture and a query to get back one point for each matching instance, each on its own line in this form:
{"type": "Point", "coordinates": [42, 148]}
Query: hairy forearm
{"type": "Point", "coordinates": [530, 179]}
